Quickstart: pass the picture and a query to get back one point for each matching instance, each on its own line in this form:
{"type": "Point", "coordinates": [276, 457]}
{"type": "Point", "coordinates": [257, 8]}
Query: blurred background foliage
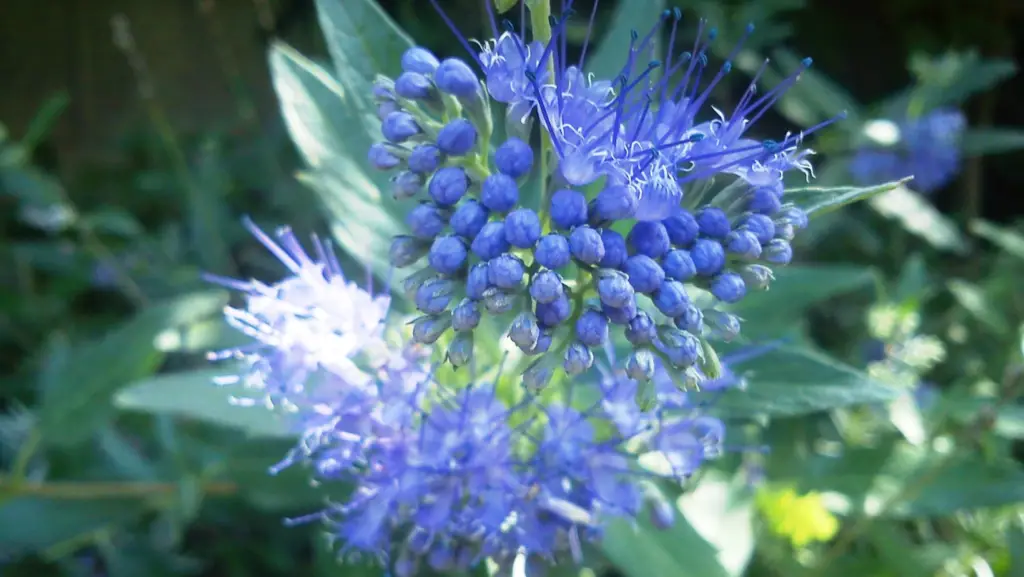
{"type": "Point", "coordinates": [137, 134]}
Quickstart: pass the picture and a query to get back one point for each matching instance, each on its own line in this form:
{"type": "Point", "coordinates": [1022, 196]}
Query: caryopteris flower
{"type": "Point", "coordinates": [926, 147]}
{"type": "Point", "coordinates": [655, 203]}
{"type": "Point", "coordinates": [445, 475]}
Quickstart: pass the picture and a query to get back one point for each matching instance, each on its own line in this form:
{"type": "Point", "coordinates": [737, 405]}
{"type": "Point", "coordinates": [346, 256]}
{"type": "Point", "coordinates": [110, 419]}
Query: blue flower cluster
{"type": "Point", "coordinates": [648, 211]}
{"type": "Point", "coordinates": [928, 148]}
{"type": "Point", "coordinates": [445, 476]}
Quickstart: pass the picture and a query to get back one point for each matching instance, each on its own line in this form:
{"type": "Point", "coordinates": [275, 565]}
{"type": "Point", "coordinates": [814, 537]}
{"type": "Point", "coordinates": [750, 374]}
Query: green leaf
{"type": "Point", "coordinates": [917, 216]}
{"type": "Point", "coordinates": [981, 141]}
{"type": "Point", "coordinates": [333, 121]}
{"type": "Point", "coordinates": [79, 399]}
{"type": "Point", "coordinates": [194, 395]}
{"type": "Point", "coordinates": [33, 524]}
{"type": "Point", "coordinates": [797, 288]}
{"type": "Point", "coordinates": [610, 56]}
{"type": "Point", "coordinates": [795, 381]}
{"type": "Point", "coordinates": [330, 128]}
{"type": "Point", "coordinates": [972, 297]}
{"type": "Point", "coordinates": [817, 200]}
{"type": "Point", "coordinates": [955, 76]}
{"type": "Point", "coordinates": [112, 220]}
{"type": "Point", "coordinates": [644, 551]}
{"type": "Point", "coordinates": [917, 481]}
{"type": "Point", "coordinates": [943, 484]}
{"type": "Point", "coordinates": [1012, 242]}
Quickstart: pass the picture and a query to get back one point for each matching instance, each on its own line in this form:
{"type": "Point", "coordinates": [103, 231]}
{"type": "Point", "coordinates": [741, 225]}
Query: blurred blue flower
{"type": "Point", "coordinates": [444, 476]}
{"type": "Point", "coordinates": [928, 148]}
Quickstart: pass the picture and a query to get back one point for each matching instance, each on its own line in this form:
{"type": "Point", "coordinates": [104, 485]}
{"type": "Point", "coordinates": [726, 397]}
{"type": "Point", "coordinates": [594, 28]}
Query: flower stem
{"type": "Point", "coordinates": [540, 13]}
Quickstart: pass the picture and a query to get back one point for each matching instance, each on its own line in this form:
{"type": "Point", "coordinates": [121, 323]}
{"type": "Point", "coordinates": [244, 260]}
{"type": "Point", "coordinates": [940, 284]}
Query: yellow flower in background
{"type": "Point", "coordinates": [802, 519]}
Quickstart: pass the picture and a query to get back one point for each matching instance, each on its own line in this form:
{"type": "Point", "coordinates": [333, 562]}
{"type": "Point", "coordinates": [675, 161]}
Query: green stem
{"type": "Point", "coordinates": [540, 13]}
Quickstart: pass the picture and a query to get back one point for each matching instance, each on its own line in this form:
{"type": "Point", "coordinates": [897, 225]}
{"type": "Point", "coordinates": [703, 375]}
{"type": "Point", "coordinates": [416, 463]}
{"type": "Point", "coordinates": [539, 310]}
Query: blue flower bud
{"type": "Point", "coordinates": [406, 250]}
{"type": "Point", "coordinates": [760, 225]}
{"type": "Point", "coordinates": [568, 208]}
{"type": "Point", "coordinates": [725, 325]}
{"type": "Point", "coordinates": [757, 276]}
{"type": "Point", "coordinates": [514, 158]}
{"type": "Point", "coordinates": [417, 59]}
{"type": "Point", "coordinates": [792, 215]}
{"type": "Point", "coordinates": [546, 287]}
{"type": "Point", "coordinates": [500, 193]}
{"type": "Point", "coordinates": [385, 109]}
{"type": "Point", "coordinates": [477, 281]}
{"type": "Point", "coordinates": [641, 330]}
{"type": "Point", "coordinates": [460, 351]}
{"type": "Point", "coordinates": [554, 313]}
{"type": "Point", "coordinates": [777, 251]}
{"type": "Point", "coordinates": [682, 228]}
{"type": "Point", "coordinates": [457, 138]}
{"type": "Point", "coordinates": [678, 265]}
{"type": "Point", "coordinates": [682, 348]}
{"type": "Point", "coordinates": [586, 246]}
{"type": "Point", "coordinates": [413, 282]}
{"type": "Point", "coordinates": [713, 222]}
{"type": "Point", "coordinates": [614, 202]}
{"type": "Point", "coordinates": [671, 299]}
{"type": "Point", "coordinates": [644, 274]}
{"type": "Point", "coordinates": [490, 241]}
{"type": "Point", "coordinates": [399, 127]}
{"type": "Point", "coordinates": [428, 329]}
{"type": "Point", "coordinates": [543, 343]}
{"type": "Point", "coordinates": [691, 321]}
{"type": "Point", "coordinates": [640, 366]}
{"type": "Point", "coordinates": [383, 90]}
{"type": "Point", "coordinates": [708, 257]}
{"type": "Point", "coordinates": [649, 238]}
{"type": "Point", "coordinates": [621, 315]}
{"type": "Point", "coordinates": [456, 77]}
{"type": "Point", "coordinates": [524, 331]}
{"type": "Point", "coordinates": [469, 217]}
{"type": "Point", "coordinates": [763, 201]}
{"type": "Point", "coordinates": [414, 86]}
{"type": "Point", "coordinates": [498, 302]}
{"type": "Point", "coordinates": [434, 296]}
{"type": "Point", "coordinates": [785, 232]}
{"type": "Point", "coordinates": [381, 157]}
{"type": "Point", "coordinates": [592, 328]}
{"type": "Point", "coordinates": [466, 315]}
{"type": "Point", "coordinates": [613, 288]}
{"type": "Point", "coordinates": [448, 254]}
{"type": "Point", "coordinates": [426, 220]}
{"type": "Point", "coordinates": [578, 358]}
{"type": "Point", "coordinates": [424, 159]}
{"type": "Point", "coordinates": [743, 243]}
{"type": "Point", "coordinates": [406, 184]}
{"type": "Point", "coordinates": [522, 228]}
{"type": "Point", "coordinates": [615, 252]}
{"type": "Point", "coordinates": [538, 374]}
{"type": "Point", "coordinates": [448, 185]}
{"type": "Point", "coordinates": [552, 251]}
{"type": "Point", "coordinates": [506, 271]}
{"type": "Point", "coordinates": [728, 287]}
